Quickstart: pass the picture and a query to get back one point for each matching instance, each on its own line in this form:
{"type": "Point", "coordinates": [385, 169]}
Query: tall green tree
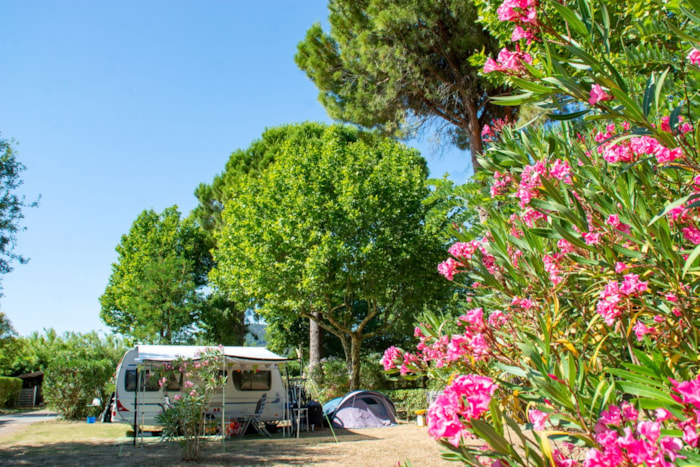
{"type": "Point", "coordinates": [248, 164]}
{"type": "Point", "coordinates": [397, 65]}
{"type": "Point", "coordinates": [10, 345]}
{"type": "Point", "coordinates": [11, 205]}
{"type": "Point", "coordinates": [323, 232]}
{"type": "Point", "coordinates": [153, 294]}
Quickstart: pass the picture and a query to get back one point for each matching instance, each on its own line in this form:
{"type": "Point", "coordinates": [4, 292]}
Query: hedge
{"type": "Point", "coordinates": [409, 400]}
{"type": "Point", "coordinates": [9, 391]}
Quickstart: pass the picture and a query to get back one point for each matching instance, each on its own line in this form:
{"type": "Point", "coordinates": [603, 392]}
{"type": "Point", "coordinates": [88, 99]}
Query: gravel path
{"type": "Point", "coordinates": [12, 422]}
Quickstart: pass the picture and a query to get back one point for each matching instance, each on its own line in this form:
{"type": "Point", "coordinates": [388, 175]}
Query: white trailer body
{"type": "Point", "coordinates": [251, 372]}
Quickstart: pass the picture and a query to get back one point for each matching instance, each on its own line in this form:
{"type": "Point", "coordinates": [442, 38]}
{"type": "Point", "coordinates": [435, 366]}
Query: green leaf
{"type": "Point", "coordinates": [570, 17]}
{"type": "Point", "coordinates": [691, 259]}
{"type": "Point", "coordinates": [642, 390]}
{"type": "Point", "coordinates": [568, 116]}
{"type": "Point", "coordinates": [531, 86]}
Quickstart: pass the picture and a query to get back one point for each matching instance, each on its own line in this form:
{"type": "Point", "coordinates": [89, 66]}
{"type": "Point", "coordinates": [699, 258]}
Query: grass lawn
{"type": "Point", "coordinates": [79, 443]}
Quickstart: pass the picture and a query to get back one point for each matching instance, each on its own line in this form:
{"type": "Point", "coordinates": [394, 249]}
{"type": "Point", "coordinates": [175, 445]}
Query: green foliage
{"type": "Point", "coordinates": [330, 379]}
{"type": "Point", "coordinates": [153, 293]}
{"type": "Point", "coordinates": [184, 421]}
{"type": "Point", "coordinates": [80, 369]}
{"type": "Point", "coordinates": [395, 65]}
{"type": "Point", "coordinates": [583, 284]}
{"type": "Point", "coordinates": [322, 231]}
{"type": "Point", "coordinates": [11, 206]}
{"type": "Point", "coordinates": [9, 391]}
{"type": "Point", "coordinates": [10, 345]}
{"type": "Point", "coordinates": [410, 400]}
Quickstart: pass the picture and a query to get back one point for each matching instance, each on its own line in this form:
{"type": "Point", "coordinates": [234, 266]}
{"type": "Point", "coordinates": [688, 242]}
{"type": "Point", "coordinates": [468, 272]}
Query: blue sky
{"type": "Point", "coordinates": [123, 105]}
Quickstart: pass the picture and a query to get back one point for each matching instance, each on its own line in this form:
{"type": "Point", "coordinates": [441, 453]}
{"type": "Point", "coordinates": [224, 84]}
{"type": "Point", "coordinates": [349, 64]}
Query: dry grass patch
{"type": "Point", "coordinates": [79, 443]}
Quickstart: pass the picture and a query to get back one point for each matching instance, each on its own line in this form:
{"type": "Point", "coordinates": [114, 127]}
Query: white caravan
{"type": "Point", "coordinates": [251, 372]}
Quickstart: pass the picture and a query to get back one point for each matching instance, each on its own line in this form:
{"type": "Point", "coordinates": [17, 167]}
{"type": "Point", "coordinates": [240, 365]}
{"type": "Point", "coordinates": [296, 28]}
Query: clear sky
{"type": "Point", "coordinates": [123, 105]}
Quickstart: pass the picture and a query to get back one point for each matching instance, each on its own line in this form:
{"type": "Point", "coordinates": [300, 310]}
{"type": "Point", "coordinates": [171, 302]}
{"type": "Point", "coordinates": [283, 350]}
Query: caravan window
{"type": "Point", "coordinates": [249, 380]}
{"type": "Point", "coordinates": [130, 382]}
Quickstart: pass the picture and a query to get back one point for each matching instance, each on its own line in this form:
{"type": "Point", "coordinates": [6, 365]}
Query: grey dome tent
{"type": "Point", "coordinates": [360, 409]}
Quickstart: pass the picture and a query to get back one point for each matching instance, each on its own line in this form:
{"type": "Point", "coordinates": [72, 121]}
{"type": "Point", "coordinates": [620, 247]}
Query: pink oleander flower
{"type": "Point", "coordinates": [518, 11]}
{"type": "Point", "coordinates": [694, 56]}
{"type": "Point", "coordinates": [561, 171]}
{"type": "Point", "coordinates": [520, 33]}
{"type": "Point", "coordinates": [620, 267]}
{"type": "Point", "coordinates": [486, 130]}
{"type": "Point", "coordinates": [598, 95]}
{"type": "Point", "coordinates": [632, 285]}
{"type": "Point", "coordinates": [692, 234]}
{"type": "Point", "coordinates": [689, 392]}
{"type": "Point", "coordinates": [474, 318]}
{"type": "Point", "coordinates": [508, 61]}
{"type": "Point", "coordinates": [464, 250]}
{"type": "Point", "coordinates": [565, 246]}
{"type": "Point", "coordinates": [391, 355]}
{"type": "Point", "coordinates": [448, 268]}
{"type": "Point", "coordinates": [491, 65]}
{"type": "Point", "coordinates": [538, 419]}
{"type": "Point", "coordinates": [193, 393]}
{"type": "Point", "coordinates": [641, 330]}
{"type": "Point", "coordinates": [497, 319]}
{"type": "Point", "coordinates": [177, 397]}
{"type": "Point", "coordinates": [614, 221]}
{"type": "Point", "coordinates": [188, 384]}
{"type": "Point", "coordinates": [591, 238]}
{"type": "Point", "coordinates": [551, 266]}
{"type": "Point", "coordinates": [467, 397]}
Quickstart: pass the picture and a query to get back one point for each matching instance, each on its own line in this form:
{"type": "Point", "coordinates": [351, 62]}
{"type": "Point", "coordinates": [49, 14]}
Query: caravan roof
{"type": "Point", "coordinates": [167, 353]}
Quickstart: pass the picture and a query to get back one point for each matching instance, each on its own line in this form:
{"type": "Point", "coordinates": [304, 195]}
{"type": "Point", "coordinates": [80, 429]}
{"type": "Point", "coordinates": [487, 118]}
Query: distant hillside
{"type": "Point", "coordinates": [255, 337]}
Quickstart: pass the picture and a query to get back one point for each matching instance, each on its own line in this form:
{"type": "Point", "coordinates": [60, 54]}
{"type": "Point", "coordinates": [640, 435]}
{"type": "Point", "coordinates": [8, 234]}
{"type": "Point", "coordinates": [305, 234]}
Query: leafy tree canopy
{"type": "Point", "coordinates": [152, 294]}
{"type": "Point", "coordinates": [395, 65]}
{"type": "Point", "coordinates": [11, 205]}
{"type": "Point", "coordinates": [323, 232]}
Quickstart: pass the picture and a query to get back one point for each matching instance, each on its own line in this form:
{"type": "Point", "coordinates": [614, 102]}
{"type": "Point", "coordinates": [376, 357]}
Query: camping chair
{"type": "Point", "coordinates": [254, 419]}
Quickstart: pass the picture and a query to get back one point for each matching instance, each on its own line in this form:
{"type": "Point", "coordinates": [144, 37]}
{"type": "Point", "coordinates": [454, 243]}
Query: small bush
{"type": "Point", "coordinates": [9, 391]}
{"type": "Point", "coordinates": [408, 399]}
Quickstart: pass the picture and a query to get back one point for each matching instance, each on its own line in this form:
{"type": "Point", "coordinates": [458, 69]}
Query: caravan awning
{"type": "Point", "coordinates": [169, 353]}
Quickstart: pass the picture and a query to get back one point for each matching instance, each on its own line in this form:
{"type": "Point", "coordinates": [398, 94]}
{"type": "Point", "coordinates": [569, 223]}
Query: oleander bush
{"type": "Point", "coordinates": [580, 344]}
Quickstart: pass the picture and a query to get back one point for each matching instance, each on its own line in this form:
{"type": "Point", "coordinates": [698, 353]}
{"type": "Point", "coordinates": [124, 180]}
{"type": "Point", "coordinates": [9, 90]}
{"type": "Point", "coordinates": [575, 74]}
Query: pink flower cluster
{"type": "Point", "coordinates": [462, 253]}
{"type": "Point", "coordinates": [473, 342]}
{"type": "Point", "coordinates": [688, 394]}
{"type": "Point", "coordinates": [633, 149]}
{"type": "Point", "coordinates": [552, 267]}
{"type": "Point", "coordinates": [614, 296]}
{"type": "Point", "coordinates": [521, 12]}
{"type": "Point", "coordinates": [614, 221]}
{"type": "Point", "coordinates": [687, 219]}
{"type": "Point", "coordinates": [466, 398]}
{"type": "Point", "coordinates": [694, 56]}
{"type": "Point", "coordinates": [500, 183]}
{"type": "Point", "coordinates": [508, 62]}
{"type": "Point", "coordinates": [624, 440]}
{"type": "Point", "coordinates": [391, 355]}
{"type": "Point", "coordinates": [598, 95]}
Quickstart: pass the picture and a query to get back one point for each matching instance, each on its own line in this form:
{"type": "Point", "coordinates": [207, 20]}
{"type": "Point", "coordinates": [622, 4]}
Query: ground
{"type": "Point", "coordinates": [73, 443]}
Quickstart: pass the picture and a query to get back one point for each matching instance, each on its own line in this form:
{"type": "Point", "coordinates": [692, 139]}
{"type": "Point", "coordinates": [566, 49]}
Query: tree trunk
{"type": "Point", "coordinates": [315, 342]}
{"type": "Point", "coordinates": [476, 146]}
{"type": "Point", "coordinates": [355, 345]}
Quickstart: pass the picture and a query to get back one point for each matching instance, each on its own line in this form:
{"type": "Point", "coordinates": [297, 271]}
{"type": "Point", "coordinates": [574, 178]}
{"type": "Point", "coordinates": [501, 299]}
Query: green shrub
{"type": "Point", "coordinates": [9, 391]}
{"type": "Point", "coordinates": [408, 399]}
{"type": "Point", "coordinates": [329, 379]}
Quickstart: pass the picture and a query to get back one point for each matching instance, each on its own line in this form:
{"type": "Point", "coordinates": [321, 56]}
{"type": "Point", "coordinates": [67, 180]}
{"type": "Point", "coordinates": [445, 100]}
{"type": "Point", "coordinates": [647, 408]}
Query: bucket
{"type": "Point", "coordinates": [91, 419]}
